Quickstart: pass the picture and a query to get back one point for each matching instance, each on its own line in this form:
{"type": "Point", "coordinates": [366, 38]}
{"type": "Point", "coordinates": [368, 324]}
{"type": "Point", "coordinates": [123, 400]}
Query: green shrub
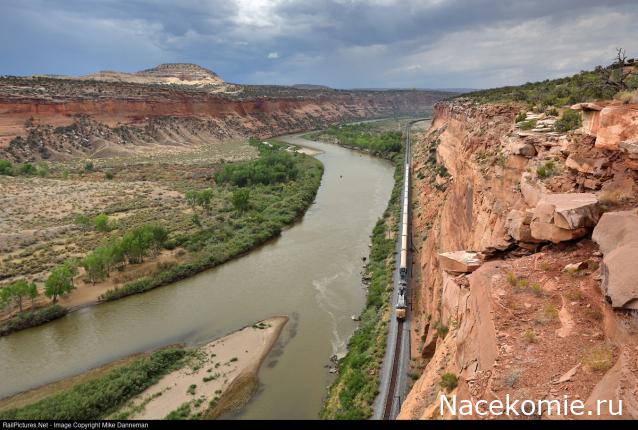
{"type": "Point", "coordinates": [27, 169]}
{"type": "Point", "coordinates": [32, 318]}
{"type": "Point", "coordinates": [449, 381]}
{"type": "Point", "coordinates": [6, 168]}
{"type": "Point", "coordinates": [88, 166]}
{"type": "Point", "coordinates": [97, 398]}
{"type": "Point", "coordinates": [570, 120]}
{"type": "Point", "coordinates": [520, 117]}
{"type": "Point", "coordinates": [546, 170]}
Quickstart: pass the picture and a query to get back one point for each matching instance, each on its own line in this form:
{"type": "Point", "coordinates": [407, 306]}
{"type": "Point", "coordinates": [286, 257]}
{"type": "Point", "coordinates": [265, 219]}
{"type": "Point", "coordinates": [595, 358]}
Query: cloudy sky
{"type": "Point", "coordinates": [341, 43]}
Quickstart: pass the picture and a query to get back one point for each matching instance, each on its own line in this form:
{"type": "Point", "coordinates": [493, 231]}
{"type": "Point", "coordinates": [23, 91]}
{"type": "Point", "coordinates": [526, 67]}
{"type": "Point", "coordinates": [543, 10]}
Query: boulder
{"type": "Point", "coordinates": [459, 261]}
{"type": "Point", "coordinates": [517, 225]}
{"type": "Point", "coordinates": [568, 211]}
{"type": "Point", "coordinates": [552, 233]}
{"type": "Point", "coordinates": [617, 124]}
{"type": "Point", "coordinates": [616, 229]}
{"type": "Point", "coordinates": [531, 189]}
{"type": "Point", "coordinates": [617, 236]}
{"type": "Point", "coordinates": [585, 164]}
{"type": "Point", "coordinates": [519, 147]}
{"type": "Point", "coordinates": [630, 147]}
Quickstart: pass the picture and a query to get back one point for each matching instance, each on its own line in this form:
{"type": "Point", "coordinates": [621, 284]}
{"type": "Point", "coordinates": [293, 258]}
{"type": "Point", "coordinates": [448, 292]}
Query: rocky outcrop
{"type": "Point", "coordinates": [616, 124]}
{"type": "Point", "coordinates": [611, 123]}
{"type": "Point", "coordinates": [514, 196]}
{"type": "Point", "coordinates": [459, 261]}
{"type": "Point", "coordinates": [561, 217]}
{"type": "Point", "coordinates": [617, 237]}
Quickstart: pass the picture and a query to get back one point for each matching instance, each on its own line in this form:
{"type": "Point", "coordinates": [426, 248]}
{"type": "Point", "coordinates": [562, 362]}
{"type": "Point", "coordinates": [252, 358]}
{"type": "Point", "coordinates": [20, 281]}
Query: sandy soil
{"type": "Point", "coordinates": [216, 380]}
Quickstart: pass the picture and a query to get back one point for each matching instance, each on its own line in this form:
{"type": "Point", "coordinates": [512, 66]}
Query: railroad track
{"type": "Point", "coordinates": [389, 404]}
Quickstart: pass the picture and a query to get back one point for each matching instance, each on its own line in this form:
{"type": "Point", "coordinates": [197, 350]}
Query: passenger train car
{"type": "Point", "coordinates": [403, 262]}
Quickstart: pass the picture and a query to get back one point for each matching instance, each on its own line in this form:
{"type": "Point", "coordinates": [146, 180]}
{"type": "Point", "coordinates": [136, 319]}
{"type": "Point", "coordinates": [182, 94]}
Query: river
{"type": "Point", "coordinates": [312, 273]}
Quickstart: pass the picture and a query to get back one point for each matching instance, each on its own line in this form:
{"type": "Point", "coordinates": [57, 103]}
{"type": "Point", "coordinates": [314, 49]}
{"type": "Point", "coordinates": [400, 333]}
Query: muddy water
{"type": "Point", "coordinates": [311, 273]}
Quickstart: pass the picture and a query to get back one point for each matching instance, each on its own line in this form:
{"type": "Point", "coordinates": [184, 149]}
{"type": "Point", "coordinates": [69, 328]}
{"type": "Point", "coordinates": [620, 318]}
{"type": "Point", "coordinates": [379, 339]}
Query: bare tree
{"type": "Point", "coordinates": [617, 73]}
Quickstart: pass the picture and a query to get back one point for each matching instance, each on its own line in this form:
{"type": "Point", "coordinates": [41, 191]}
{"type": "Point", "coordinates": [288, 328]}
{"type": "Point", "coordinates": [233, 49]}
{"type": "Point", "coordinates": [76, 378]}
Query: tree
{"type": "Point", "coordinates": [59, 282]}
{"type": "Point", "coordinates": [27, 169]}
{"type": "Point", "coordinates": [33, 293]}
{"type": "Point", "coordinates": [18, 291]}
{"type": "Point", "coordinates": [5, 296]}
{"type": "Point", "coordinates": [241, 199]}
{"type": "Point", "coordinates": [200, 198]}
{"type": "Point", "coordinates": [617, 74]}
{"type": "Point", "coordinates": [95, 265]}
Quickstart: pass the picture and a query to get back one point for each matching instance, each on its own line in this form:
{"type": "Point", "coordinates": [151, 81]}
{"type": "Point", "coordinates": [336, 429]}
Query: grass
{"type": "Point", "coordinates": [352, 394]}
{"type": "Point", "coordinates": [599, 358]}
{"type": "Point", "coordinates": [529, 336]}
{"type": "Point", "coordinates": [547, 170]}
{"type": "Point", "coordinates": [102, 396]}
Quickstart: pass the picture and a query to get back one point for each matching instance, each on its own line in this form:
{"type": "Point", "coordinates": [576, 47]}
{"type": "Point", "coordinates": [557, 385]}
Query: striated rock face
{"type": "Point", "coordinates": [617, 236]}
{"type": "Point", "coordinates": [138, 109]}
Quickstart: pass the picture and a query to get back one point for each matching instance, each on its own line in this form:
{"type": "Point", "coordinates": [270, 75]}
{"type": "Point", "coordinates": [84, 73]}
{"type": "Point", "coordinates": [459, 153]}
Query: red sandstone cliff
{"type": "Point", "coordinates": [539, 318]}
{"type": "Point", "coordinates": [39, 117]}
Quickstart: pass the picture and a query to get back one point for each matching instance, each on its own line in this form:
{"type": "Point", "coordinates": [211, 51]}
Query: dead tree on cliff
{"type": "Point", "coordinates": [618, 72]}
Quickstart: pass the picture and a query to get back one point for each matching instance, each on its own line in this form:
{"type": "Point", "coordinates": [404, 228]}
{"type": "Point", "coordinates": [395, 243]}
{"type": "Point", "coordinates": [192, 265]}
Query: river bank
{"type": "Point", "coordinates": [221, 378]}
{"type": "Point", "coordinates": [202, 382]}
{"type": "Point", "coordinates": [198, 240]}
{"type": "Point", "coordinates": [310, 272]}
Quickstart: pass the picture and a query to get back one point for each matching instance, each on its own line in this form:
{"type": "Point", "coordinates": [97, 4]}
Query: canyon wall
{"type": "Point", "coordinates": [533, 321]}
{"type": "Point", "coordinates": [38, 116]}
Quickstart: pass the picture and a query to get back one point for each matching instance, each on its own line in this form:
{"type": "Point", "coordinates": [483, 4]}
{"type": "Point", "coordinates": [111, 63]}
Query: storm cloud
{"type": "Point", "coordinates": [341, 43]}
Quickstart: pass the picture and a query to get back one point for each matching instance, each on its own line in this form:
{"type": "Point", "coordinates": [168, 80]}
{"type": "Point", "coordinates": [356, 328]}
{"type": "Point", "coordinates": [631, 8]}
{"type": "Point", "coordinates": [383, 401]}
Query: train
{"type": "Point", "coordinates": [400, 308]}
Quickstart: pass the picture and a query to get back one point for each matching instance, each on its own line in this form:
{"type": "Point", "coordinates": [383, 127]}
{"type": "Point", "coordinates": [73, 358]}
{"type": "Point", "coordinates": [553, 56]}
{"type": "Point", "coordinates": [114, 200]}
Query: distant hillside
{"type": "Point", "coordinates": [170, 73]}
{"type": "Point", "coordinates": [310, 87]}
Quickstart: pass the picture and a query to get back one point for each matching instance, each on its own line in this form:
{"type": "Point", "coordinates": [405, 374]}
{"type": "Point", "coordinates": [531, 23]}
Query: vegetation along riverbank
{"type": "Point", "coordinates": [352, 394]}
{"type": "Point", "coordinates": [108, 228]}
{"type": "Point", "coordinates": [172, 383]}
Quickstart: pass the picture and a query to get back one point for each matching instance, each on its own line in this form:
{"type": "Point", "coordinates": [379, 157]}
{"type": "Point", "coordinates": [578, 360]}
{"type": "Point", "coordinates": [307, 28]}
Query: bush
{"type": "Point", "coordinates": [6, 168]}
{"type": "Point", "coordinates": [102, 223]}
{"type": "Point", "coordinates": [449, 381]}
{"type": "Point", "coordinates": [570, 120]}
{"type": "Point", "coordinates": [599, 358]}
{"type": "Point", "coordinates": [88, 166]}
{"type": "Point", "coordinates": [27, 169]}
{"type": "Point", "coordinates": [520, 117]}
{"type": "Point", "coordinates": [546, 170]}
{"type": "Point", "coordinates": [272, 167]}
{"type": "Point", "coordinates": [31, 318]}
{"type": "Point", "coordinates": [109, 175]}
